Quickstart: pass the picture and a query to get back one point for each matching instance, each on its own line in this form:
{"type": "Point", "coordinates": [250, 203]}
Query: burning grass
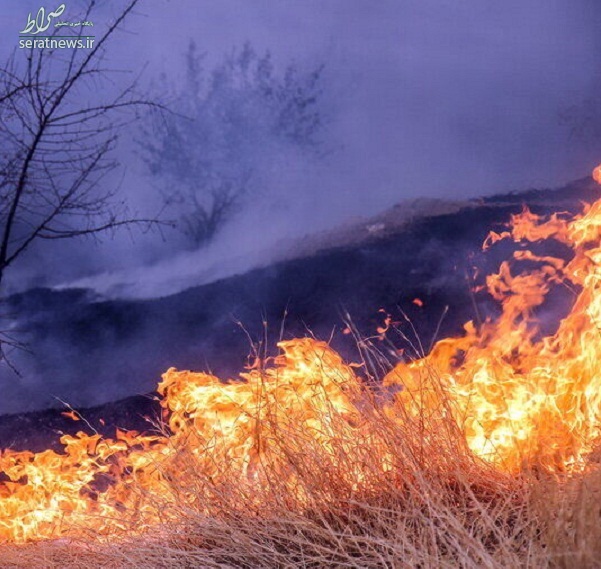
{"type": "Point", "coordinates": [482, 453]}
{"type": "Point", "coordinates": [334, 505]}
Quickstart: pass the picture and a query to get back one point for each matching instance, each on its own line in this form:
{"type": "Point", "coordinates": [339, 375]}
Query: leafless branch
{"type": "Point", "coordinates": [56, 145]}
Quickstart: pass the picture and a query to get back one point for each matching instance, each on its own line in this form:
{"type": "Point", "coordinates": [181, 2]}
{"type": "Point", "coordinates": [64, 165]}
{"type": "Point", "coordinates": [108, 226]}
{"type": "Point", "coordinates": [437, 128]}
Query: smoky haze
{"type": "Point", "coordinates": [420, 99]}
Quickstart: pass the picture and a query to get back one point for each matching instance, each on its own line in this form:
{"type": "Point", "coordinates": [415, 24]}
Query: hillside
{"type": "Point", "coordinates": [92, 353]}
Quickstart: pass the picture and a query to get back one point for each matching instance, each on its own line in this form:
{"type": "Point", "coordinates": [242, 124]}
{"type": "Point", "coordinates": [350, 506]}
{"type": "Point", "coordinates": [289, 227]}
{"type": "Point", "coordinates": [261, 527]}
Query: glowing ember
{"type": "Point", "coordinates": [516, 399]}
{"type": "Point", "coordinates": [597, 174]}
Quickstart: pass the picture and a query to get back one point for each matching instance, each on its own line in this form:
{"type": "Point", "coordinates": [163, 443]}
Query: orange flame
{"type": "Point", "coordinates": [517, 400]}
{"type": "Point", "coordinates": [523, 401]}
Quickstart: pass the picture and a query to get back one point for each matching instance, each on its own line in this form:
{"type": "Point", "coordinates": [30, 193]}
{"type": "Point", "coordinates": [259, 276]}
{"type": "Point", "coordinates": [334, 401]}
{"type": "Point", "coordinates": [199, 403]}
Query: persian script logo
{"type": "Point", "coordinates": [29, 36]}
{"type": "Point", "coordinates": [41, 22]}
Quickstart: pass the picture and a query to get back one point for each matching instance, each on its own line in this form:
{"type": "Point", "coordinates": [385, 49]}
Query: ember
{"type": "Point", "coordinates": [513, 399]}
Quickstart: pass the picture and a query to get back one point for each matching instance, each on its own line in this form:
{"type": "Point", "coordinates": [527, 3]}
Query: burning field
{"type": "Point", "coordinates": [483, 452]}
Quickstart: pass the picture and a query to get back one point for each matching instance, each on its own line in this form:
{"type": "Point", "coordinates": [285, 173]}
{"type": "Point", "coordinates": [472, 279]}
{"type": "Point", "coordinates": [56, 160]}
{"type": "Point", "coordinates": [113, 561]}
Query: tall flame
{"type": "Point", "coordinates": [517, 400]}
{"type": "Point", "coordinates": [524, 400]}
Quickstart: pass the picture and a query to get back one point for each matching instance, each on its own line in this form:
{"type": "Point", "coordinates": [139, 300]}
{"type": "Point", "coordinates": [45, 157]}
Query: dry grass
{"type": "Point", "coordinates": [380, 493]}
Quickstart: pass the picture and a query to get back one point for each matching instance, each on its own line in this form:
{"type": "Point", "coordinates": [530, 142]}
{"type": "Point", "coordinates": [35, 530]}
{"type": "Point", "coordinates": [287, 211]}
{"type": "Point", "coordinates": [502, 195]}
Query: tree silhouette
{"type": "Point", "coordinates": [209, 151]}
{"type": "Point", "coordinates": [57, 131]}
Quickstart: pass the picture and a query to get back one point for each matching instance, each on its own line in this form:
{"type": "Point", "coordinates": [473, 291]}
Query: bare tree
{"type": "Point", "coordinates": [58, 129]}
{"type": "Point", "coordinates": [226, 126]}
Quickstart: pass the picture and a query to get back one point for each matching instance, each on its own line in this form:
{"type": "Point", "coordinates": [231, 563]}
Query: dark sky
{"type": "Point", "coordinates": [424, 98]}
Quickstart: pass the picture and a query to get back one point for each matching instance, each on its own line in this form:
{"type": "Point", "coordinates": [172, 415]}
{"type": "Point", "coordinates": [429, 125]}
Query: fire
{"type": "Point", "coordinates": [521, 400]}
{"type": "Point", "coordinates": [514, 398]}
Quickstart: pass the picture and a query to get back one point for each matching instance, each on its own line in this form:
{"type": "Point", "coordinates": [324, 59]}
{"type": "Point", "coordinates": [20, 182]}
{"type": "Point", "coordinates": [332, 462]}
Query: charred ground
{"type": "Point", "coordinates": [92, 351]}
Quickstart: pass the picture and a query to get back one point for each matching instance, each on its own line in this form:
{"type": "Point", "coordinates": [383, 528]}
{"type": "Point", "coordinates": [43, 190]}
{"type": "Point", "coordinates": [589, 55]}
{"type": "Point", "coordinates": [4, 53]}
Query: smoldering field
{"type": "Point", "coordinates": [90, 350]}
{"type": "Point", "coordinates": [360, 466]}
{"type": "Point", "coordinates": [417, 100]}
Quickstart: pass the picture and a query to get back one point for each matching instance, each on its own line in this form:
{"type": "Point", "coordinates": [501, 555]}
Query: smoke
{"type": "Point", "coordinates": [420, 98]}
